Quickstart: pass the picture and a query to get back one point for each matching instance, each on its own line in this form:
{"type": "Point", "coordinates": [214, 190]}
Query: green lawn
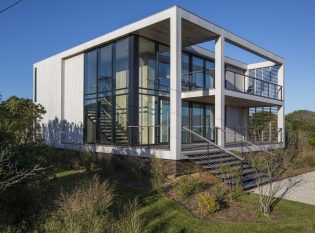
{"type": "Point", "coordinates": [162, 214]}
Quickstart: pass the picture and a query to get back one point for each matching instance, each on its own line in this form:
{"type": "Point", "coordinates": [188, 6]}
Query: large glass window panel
{"type": "Point", "coordinates": [147, 64]}
{"type": "Point", "coordinates": [90, 72]}
{"type": "Point", "coordinates": [185, 72]}
{"type": "Point", "coordinates": [209, 75]}
{"type": "Point", "coordinates": [147, 118]}
{"type": "Point", "coordinates": [209, 122]}
{"type": "Point", "coordinates": [198, 72]}
{"type": "Point", "coordinates": [164, 68]}
{"type": "Point", "coordinates": [259, 83]}
{"type": "Point", "coordinates": [197, 120]}
{"type": "Point", "coordinates": [122, 63]}
{"type": "Point", "coordinates": [105, 117]}
{"type": "Point", "coordinates": [164, 120]}
{"type": "Point", "coordinates": [90, 119]}
{"type": "Point", "coordinates": [121, 119]}
{"type": "Point", "coordinates": [105, 71]}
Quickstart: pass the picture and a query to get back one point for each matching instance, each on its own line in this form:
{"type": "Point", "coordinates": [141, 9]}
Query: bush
{"type": "Point", "coordinates": [85, 209]}
{"type": "Point", "coordinates": [206, 204]}
{"type": "Point", "coordinates": [220, 192]}
{"type": "Point", "coordinates": [157, 175]}
{"type": "Point", "coordinates": [187, 185]}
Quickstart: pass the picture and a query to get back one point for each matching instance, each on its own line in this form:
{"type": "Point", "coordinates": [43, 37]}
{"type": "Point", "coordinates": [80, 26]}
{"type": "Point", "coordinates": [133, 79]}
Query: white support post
{"type": "Point", "coordinates": [281, 113]}
{"type": "Point", "coordinates": [219, 89]}
{"type": "Point", "coordinates": [175, 84]}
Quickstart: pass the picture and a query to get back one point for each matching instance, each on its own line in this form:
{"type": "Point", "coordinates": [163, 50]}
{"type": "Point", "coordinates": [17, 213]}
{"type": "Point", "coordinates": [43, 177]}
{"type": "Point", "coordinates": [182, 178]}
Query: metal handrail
{"type": "Point", "coordinates": [213, 144]}
{"type": "Point", "coordinates": [244, 141]}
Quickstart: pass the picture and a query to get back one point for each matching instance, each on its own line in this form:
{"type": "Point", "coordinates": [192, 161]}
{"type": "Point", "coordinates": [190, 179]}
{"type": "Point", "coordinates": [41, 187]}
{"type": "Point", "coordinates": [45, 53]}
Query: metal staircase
{"type": "Point", "coordinates": [106, 123]}
{"type": "Point", "coordinates": [211, 157]}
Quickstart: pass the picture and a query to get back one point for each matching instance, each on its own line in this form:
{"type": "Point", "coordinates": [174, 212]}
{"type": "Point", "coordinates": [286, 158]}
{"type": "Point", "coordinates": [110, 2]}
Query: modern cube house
{"type": "Point", "coordinates": [148, 88]}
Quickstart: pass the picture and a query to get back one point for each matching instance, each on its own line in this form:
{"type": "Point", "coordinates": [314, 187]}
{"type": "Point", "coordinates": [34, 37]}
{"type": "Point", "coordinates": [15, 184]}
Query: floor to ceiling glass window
{"type": "Point", "coordinates": [121, 89]}
{"type": "Point", "coordinates": [154, 113]}
{"type": "Point", "coordinates": [105, 98]}
{"type": "Point", "coordinates": [199, 118]}
{"type": "Point", "coordinates": [197, 73]}
{"type": "Point", "coordinates": [90, 106]}
{"type": "Point", "coordinates": [106, 75]}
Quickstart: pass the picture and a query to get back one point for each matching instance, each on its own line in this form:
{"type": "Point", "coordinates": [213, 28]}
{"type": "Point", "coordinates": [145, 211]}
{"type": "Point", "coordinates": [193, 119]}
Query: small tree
{"type": "Point", "coordinates": [269, 191]}
{"type": "Point", "coordinates": [10, 175]}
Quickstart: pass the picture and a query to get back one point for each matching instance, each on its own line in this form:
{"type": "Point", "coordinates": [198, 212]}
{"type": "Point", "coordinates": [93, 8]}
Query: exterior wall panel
{"type": "Point", "coordinates": [72, 127]}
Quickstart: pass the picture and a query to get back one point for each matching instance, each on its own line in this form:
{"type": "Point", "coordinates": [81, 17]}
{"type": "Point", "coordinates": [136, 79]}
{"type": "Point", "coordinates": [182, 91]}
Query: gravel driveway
{"type": "Point", "coordinates": [302, 191]}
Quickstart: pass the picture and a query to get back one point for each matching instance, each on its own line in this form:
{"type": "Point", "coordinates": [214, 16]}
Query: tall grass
{"type": "Point", "coordinates": [85, 209]}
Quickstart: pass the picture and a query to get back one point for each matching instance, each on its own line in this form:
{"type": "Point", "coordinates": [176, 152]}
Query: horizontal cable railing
{"type": "Point", "coordinates": [234, 140]}
{"type": "Point", "coordinates": [204, 144]}
{"type": "Point", "coordinates": [149, 135]}
{"type": "Point", "coordinates": [250, 85]}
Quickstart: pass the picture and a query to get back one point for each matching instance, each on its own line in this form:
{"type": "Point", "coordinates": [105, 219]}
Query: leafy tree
{"type": "Point", "coordinates": [19, 120]}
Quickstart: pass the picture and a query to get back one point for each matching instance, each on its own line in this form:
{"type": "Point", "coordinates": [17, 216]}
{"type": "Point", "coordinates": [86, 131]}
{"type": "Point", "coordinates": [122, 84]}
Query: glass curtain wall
{"type": "Point", "coordinates": [106, 74]}
{"type": "Point", "coordinates": [154, 112]}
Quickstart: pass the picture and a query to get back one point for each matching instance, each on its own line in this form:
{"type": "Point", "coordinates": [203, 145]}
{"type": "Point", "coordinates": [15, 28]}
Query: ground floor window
{"type": "Point", "coordinates": [263, 123]}
{"type": "Point", "coordinates": [199, 118]}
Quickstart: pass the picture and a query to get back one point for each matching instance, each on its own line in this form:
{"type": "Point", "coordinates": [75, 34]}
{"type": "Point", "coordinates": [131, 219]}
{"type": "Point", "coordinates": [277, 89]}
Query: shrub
{"type": "Point", "coordinates": [236, 192]}
{"type": "Point", "coordinates": [206, 204]}
{"type": "Point", "coordinates": [187, 185]}
{"type": "Point", "coordinates": [157, 175]}
{"type": "Point", "coordinates": [85, 209]}
{"type": "Point", "coordinates": [220, 192]}
{"type": "Point", "coordinates": [309, 161]}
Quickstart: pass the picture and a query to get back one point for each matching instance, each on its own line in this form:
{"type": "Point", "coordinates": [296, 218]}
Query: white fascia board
{"type": "Point", "coordinates": [260, 65]}
{"type": "Point", "coordinates": [211, 54]}
{"type": "Point", "coordinates": [256, 98]}
{"type": "Point", "coordinates": [158, 17]}
{"type": "Point", "coordinates": [231, 37]}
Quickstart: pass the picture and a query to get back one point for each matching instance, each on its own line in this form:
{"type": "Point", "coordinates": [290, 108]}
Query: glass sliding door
{"type": "Point", "coordinates": [209, 121]}
{"type": "Point", "coordinates": [197, 120]}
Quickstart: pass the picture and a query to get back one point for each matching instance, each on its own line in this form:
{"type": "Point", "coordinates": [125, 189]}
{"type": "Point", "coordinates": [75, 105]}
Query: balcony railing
{"type": "Point", "coordinates": [250, 85]}
{"type": "Point", "coordinates": [198, 80]}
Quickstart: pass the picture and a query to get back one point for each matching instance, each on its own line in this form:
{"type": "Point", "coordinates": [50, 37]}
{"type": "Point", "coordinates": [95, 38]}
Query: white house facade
{"type": "Point", "coordinates": [147, 88]}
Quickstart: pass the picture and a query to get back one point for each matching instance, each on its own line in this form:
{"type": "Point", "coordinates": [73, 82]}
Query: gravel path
{"type": "Point", "coordinates": [303, 189]}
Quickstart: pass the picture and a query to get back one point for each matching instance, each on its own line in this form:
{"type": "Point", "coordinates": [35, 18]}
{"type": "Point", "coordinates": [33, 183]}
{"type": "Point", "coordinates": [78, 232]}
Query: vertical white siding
{"type": "Point", "coordinates": [72, 97]}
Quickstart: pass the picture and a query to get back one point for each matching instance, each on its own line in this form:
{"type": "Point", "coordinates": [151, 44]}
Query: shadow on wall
{"type": "Point", "coordinates": [58, 131]}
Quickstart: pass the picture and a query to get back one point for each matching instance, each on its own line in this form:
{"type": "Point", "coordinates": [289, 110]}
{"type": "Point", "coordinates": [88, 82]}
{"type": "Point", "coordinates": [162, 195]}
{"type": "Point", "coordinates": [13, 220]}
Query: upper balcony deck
{"type": "Point", "coordinates": [239, 89]}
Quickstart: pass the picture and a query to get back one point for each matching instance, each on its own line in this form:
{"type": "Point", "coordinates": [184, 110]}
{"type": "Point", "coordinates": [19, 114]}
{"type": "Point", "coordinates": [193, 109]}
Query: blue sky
{"type": "Point", "coordinates": [36, 29]}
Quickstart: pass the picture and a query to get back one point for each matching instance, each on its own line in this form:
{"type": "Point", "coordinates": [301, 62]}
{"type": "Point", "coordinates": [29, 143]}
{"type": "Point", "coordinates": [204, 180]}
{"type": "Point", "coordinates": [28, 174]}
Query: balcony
{"type": "Point", "coordinates": [253, 86]}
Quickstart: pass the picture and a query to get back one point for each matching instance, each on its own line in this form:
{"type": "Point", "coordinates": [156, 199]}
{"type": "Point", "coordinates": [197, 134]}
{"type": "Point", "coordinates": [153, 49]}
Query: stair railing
{"type": "Point", "coordinates": [193, 142]}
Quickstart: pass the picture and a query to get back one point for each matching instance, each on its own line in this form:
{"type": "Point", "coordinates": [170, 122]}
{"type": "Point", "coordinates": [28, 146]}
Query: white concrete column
{"type": "Point", "coordinates": [175, 84]}
{"type": "Point", "coordinates": [219, 88]}
{"type": "Point", "coordinates": [281, 113]}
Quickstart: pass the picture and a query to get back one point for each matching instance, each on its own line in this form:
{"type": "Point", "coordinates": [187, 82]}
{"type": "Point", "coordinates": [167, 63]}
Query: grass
{"type": "Point", "coordinates": [162, 214]}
